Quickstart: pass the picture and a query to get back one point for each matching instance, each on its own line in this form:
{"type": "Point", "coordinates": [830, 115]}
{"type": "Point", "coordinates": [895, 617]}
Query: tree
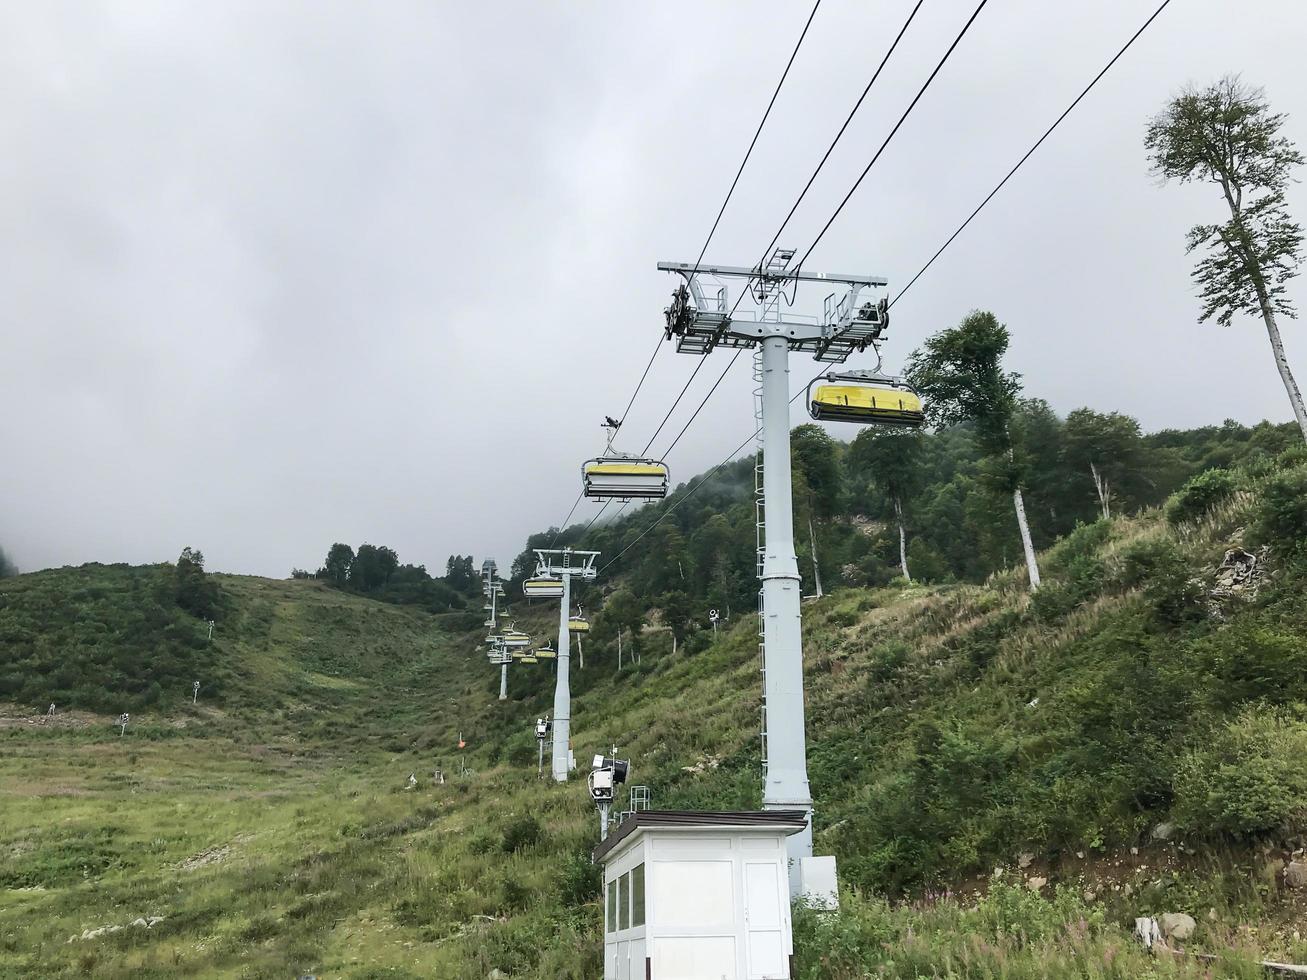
{"type": "Point", "coordinates": [372, 567]}
{"type": "Point", "coordinates": [1107, 447]}
{"type": "Point", "coordinates": [621, 611]}
{"type": "Point", "coordinates": [7, 568]}
{"type": "Point", "coordinates": [892, 460]}
{"type": "Point", "coordinates": [340, 558]}
{"type": "Point", "coordinates": [1226, 134]}
{"type": "Point", "coordinates": [461, 576]}
{"type": "Point", "coordinates": [960, 373]}
{"type": "Point", "coordinates": [816, 479]}
{"type": "Point", "coordinates": [194, 592]}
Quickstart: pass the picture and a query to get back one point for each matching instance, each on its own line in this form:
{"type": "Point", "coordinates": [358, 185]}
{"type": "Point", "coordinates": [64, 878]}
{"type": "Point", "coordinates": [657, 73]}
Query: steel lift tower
{"type": "Point", "coordinates": [701, 322]}
{"type": "Point", "coordinates": [564, 564]}
{"type": "Point", "coordinates": [492, 588]}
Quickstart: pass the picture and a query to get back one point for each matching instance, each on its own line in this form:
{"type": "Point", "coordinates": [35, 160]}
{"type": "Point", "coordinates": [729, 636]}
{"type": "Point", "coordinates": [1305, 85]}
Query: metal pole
{"type": "Point", "coordinates": [540, 757]}
{"type": "Point", "coordinates": [785, 784]}
{"type": "Point", "coordinates": [603, 820]}
{"type": "Point", "coordinates": [562, 692]}
{"type": "Point", "coordinates": [503, 682]}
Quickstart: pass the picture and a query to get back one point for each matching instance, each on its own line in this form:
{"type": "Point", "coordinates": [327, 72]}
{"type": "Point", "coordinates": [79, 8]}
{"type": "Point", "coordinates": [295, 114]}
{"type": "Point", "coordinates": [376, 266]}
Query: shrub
{"type": "Point", "coordinates": [1085, 578]}
{"type": "Point", "coordinates": [1157, 565]}
{"type": "Point", "coordinates": [522, 833]}
{"type": "Point", "coordinates": [1193, 500]}
{"type": "Point", "coordinates": [1084, 541]}
{"type": "Point", "coordinates": [1251, 779]}
{"type": "Point", "coordinates": [1281, 517]}
{"type": "Point", "coordinates": [1254, 662]}
{"type": "Point", "coordinates": [579, 879]}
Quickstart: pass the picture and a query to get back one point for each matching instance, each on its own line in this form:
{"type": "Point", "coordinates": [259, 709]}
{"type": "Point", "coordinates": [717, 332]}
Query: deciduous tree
{"type": "Point", "coordinates": [1227, 135]}
{"type": "Point", "coordinates": [960, 373]}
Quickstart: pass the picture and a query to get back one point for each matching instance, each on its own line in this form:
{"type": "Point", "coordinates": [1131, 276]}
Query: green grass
{"type": "Point", "coordinates": [951, 728]}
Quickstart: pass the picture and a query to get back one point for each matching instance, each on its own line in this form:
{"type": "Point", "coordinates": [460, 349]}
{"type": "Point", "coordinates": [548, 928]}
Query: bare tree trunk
{"type": "Point", "coordinates": [1247, 255]}
{"type": "Point", "coordinates": [1104, 492]}
{"type": "Point", "coordinates": [1282, 364]}
{"type": "Point", "coordinates": [903, 540]}
{"type": "Point", "coordinates": [619, 649]}
{"type": "Point", "coordinates": [1031, 565]}
{"type": "Point", "coordinates": [816, 568]}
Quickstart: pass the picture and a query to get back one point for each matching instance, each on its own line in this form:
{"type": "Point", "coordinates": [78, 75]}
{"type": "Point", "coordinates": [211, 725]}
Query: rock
{"type": "Point", "coordinates": [496, 974]}
{"type": "Point", "coordinates": [1023, 860]}
{"type": "Point", "coordinates": [1295, 874]}
{"type": "Point", "coordinates": [1163, 831]}
{"type": "Point", "coordinates": [1147, 931]}
{"type": "Point", "coordinates": [1177, 925]}
{"type": "Point", "coordinates": [1035, 884]}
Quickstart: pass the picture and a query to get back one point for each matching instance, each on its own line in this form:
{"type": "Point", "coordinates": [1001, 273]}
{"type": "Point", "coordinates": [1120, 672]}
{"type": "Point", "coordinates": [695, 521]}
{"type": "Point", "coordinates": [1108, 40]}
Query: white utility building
{"type": "Point", "coordinates": [698, 896]}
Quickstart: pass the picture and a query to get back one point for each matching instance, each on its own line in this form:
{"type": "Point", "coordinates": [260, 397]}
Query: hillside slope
{"type": "Point", "coordinates": [1139, 702]}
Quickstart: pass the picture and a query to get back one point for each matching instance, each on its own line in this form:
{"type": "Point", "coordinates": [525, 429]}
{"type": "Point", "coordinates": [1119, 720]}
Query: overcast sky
{"type": "Point", "coordinates": [274, 275]}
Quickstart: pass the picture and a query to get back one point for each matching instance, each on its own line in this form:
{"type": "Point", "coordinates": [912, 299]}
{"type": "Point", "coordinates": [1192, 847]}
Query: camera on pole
{"type": "Point", "coordinates": [607, 773]}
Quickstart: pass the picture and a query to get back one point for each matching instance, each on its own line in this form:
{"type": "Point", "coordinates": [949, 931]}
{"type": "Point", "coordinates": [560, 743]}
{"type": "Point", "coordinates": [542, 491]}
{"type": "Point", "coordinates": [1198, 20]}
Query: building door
{"type": "Point", "coordinates": [765, 945]}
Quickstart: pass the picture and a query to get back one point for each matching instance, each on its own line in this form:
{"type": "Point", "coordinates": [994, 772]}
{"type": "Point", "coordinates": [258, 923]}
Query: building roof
{"type": "Point", "coordinates": [790, 821]}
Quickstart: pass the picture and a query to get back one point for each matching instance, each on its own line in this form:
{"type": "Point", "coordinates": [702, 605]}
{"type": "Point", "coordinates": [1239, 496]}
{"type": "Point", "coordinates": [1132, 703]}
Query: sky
{"type": "Point", "coordinates": [274, 275]}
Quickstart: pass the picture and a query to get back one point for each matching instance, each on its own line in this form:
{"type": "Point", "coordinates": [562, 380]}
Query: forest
{"type": "Point", "coordinates": [931, 506]}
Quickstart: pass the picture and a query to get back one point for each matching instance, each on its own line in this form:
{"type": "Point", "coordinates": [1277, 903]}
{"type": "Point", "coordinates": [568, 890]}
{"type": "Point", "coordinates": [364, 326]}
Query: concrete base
{"type": "Point", "coordinates": [818, 885]}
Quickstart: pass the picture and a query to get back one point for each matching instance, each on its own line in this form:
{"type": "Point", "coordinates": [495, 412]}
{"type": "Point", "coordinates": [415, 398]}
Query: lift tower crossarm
{"type": "Point", "coordinates": [754, 272]}
{"type": "Point", "coordinates": [847, 324]}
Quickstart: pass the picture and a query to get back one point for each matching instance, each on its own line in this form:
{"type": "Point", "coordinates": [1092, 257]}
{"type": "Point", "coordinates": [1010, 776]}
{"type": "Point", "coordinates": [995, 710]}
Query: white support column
{"type": "Point", "coordinates": [503, 682]}
{"type": "Point", "coordinates": [562, 689]}
{"type": "Point", "coordinates": [786, 780]}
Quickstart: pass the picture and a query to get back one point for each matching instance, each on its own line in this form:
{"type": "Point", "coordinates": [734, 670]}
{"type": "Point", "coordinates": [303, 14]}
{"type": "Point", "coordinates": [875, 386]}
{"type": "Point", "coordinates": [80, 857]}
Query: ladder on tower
{"type": "Point", "coordinates": [760, 524]}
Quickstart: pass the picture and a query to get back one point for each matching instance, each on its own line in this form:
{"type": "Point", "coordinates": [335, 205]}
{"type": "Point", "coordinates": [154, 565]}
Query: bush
{"type": "Point", "coordinates": [1281, 518]}
{"type": "Point", "coordinates": [1251, 779]}
{"type": "Point", "coordinates": [1157, 565]}
{"type": "Point", "coordinates": [522, 833]}
{"type": "Point", "coordinates": [1085, 579]}
{"type": "Point", "coordinates": [1193, 500]}
{"type": "Point", "coordinates": [579, 879]}
{"type": "Point", "coordinates": [1252, 662]}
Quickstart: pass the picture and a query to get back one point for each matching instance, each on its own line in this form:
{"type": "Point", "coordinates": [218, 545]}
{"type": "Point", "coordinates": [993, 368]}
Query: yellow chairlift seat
{"type": "Point", "coordinates": [619, 478]}
{"type": "Point", "coordinates": [543, 587]}
{"type": "Point", "coordinates": [516, 638]}
{"type": "Point", "coordinates": [527, 659]}
{"type": "Point", "coordinates": [546, 653]}
{"type": "Point", "coordinates": [578, 624]}
{"type": "Point", "coordinates": [866, 398]}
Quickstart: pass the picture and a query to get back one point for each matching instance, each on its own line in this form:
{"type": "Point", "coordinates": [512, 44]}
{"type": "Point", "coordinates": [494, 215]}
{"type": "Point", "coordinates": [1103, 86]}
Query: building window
{"type": "Point", "coordinates": [637, 895]}
{"type": "Point", "coordinates": [624, 902]}
{"type": "Point", "coordinates": [613, 887]}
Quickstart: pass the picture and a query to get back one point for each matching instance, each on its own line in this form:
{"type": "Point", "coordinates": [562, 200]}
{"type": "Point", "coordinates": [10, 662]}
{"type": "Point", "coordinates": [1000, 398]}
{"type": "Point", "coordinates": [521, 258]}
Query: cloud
{"type": "Point", "coordinates": [273, 276]}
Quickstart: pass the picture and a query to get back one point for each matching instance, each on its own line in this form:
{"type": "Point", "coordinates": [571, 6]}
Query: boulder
{"type": "Point", "coordinates": [1163, 831]}
{"type": "Point", "coordinates": [1177, 925]}
{"type": "Point", "coordinates": [1036, 884]}
{"type": "Point", "coordinates": [1295, 874]}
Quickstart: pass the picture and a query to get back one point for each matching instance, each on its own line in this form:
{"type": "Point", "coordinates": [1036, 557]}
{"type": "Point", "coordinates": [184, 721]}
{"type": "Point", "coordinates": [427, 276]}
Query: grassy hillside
{"type": "Point", "coordinates": [954, 730]}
